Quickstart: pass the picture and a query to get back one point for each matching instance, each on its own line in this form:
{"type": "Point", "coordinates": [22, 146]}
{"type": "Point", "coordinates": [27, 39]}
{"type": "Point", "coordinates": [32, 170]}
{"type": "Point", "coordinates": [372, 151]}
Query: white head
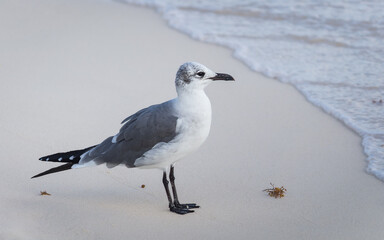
{"type": "Point", "coordinates": [195, 76]}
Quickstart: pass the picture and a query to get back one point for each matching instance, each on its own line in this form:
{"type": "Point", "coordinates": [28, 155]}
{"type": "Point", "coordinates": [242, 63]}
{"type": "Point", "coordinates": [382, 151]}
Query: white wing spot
{"type": "Point", "coordinates": [178, 125]}
{"type": "Point", "coordinates": [47, 159]}
{"type": "Point", "coordinates": [60, 159]}
{"type": "Point", "coordinates": [72, 157]}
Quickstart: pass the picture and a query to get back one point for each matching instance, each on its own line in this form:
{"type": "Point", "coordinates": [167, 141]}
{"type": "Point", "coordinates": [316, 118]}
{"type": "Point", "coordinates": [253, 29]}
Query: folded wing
{"type": "Point", "coordinates": [140, 133]}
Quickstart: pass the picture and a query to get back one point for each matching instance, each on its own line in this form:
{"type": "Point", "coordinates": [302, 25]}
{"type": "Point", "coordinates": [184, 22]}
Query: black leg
{"type": "Point", "coordinates": [176, 199]}
{"type": "Point", "coordinates": [165, 182]}
{"type": "Point", "coordinates": [172, 207]}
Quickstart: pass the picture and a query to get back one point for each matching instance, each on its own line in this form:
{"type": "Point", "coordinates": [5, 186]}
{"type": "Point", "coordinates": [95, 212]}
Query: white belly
{"type": "Point", "coordinates": [192, 130]}
{"type": "Point", "coordinates": [189, 139]}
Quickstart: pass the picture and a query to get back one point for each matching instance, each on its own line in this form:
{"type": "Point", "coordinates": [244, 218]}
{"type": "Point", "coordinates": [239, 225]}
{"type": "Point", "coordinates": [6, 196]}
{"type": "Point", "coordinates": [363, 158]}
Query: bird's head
{"type": "Point", "coordinates": [192, 75]}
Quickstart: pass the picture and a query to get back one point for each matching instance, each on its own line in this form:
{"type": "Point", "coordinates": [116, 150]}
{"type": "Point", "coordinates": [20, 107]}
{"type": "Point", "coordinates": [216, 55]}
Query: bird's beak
{"type": "Point", "coordinates": [222, 76]}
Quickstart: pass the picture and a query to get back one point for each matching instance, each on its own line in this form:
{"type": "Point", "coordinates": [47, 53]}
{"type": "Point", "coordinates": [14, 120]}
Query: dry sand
{"type": "Point", "coordinates": [70, 71]}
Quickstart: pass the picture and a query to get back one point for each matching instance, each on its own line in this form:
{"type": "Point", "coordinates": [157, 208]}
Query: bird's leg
{"type": "Point", "coordinates": [165, 182]}
{"type": "Point", "coordinates": [176, 199]}
{"type": "Point", "coordinates": [172, 206]}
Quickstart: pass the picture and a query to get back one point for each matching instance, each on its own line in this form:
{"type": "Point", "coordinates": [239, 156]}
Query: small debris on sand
{"type": "Point", "coordinates": [42, 193]}
{"type": "Point", "coordinates": [276, 192]}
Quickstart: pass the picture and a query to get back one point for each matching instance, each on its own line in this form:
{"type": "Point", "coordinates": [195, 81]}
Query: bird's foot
{"type": "Point", "coordinates": [180, 210]}
{"type": "Point", "coordinates": [183, 208]}
{"type": "Point", "coordinates": [187, 205]}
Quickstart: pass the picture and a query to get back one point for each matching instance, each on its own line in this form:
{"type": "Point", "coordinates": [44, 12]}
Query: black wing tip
{"type": "Point", "coordinates": [38, 175]}
{"type": "Point", "coordinates": [66, 157]}
{"type": "Point", "coordinates": [60, 168]}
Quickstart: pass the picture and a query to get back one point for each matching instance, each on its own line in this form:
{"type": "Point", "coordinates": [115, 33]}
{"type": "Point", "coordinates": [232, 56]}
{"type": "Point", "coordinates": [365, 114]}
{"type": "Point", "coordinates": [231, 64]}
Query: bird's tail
{"type": "Point", "coordinates": [70, 158]}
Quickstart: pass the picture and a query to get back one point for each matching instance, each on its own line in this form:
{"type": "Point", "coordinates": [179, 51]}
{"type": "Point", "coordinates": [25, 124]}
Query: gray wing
{"type": "Point", "coordinates": [140, 133]}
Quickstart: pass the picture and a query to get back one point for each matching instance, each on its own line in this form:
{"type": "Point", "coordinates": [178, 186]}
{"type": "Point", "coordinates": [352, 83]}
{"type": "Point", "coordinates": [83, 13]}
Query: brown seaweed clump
{"type": "Point", "coordinates": [42, 193]}
{"type": "Point", "coordinates": [276, 192]}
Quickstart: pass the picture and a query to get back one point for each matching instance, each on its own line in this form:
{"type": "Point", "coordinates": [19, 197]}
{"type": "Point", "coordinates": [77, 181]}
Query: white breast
{"type": "Point", "coordinates": [192, 129]}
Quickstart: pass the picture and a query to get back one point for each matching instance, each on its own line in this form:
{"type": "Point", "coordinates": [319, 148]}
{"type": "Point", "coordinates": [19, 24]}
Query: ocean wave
{"type": "Point", "coordinates": [330, 51]}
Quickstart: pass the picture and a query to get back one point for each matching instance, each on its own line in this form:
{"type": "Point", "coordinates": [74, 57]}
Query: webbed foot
{"type": "Point", "coordinates": [183, 208]}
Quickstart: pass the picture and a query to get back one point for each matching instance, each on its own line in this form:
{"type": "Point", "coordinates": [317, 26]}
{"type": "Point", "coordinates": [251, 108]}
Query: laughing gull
{"type": "Point", "coordinates": [156, 136]}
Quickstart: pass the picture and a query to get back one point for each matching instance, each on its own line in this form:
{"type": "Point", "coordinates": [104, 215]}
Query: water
{"type": "Point", "coordinates": [331, 51]}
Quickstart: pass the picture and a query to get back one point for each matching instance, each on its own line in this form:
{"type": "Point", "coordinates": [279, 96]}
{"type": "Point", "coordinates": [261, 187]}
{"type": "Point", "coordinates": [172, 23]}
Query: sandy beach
{"type": "Point", "coordinates": [71, 71]}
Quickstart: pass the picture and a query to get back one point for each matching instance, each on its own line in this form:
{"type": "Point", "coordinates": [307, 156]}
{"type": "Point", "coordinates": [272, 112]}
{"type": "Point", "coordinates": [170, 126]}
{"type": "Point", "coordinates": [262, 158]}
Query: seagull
{"type": "Point", "coordinates": [157, 136]}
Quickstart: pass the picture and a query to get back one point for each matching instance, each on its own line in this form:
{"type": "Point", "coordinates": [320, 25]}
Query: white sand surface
{"type": "Point", "coordinates": [70, 71]}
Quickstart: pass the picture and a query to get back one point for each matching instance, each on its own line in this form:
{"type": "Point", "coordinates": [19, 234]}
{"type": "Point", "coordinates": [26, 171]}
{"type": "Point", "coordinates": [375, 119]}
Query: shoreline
{"type": "Point", "coordinates": [73, 70]}
{"type": "Point", "coordinates": [373, 163]}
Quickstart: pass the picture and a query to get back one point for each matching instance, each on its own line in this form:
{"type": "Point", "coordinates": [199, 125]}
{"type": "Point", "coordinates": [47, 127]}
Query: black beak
{"type": "Point", "coordinates": [222, 76]}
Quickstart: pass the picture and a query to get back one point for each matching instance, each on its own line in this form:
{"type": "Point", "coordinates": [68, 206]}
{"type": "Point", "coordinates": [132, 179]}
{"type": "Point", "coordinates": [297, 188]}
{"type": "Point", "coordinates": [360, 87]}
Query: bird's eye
{"type": "Point", "coordinates": [201, 74]}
